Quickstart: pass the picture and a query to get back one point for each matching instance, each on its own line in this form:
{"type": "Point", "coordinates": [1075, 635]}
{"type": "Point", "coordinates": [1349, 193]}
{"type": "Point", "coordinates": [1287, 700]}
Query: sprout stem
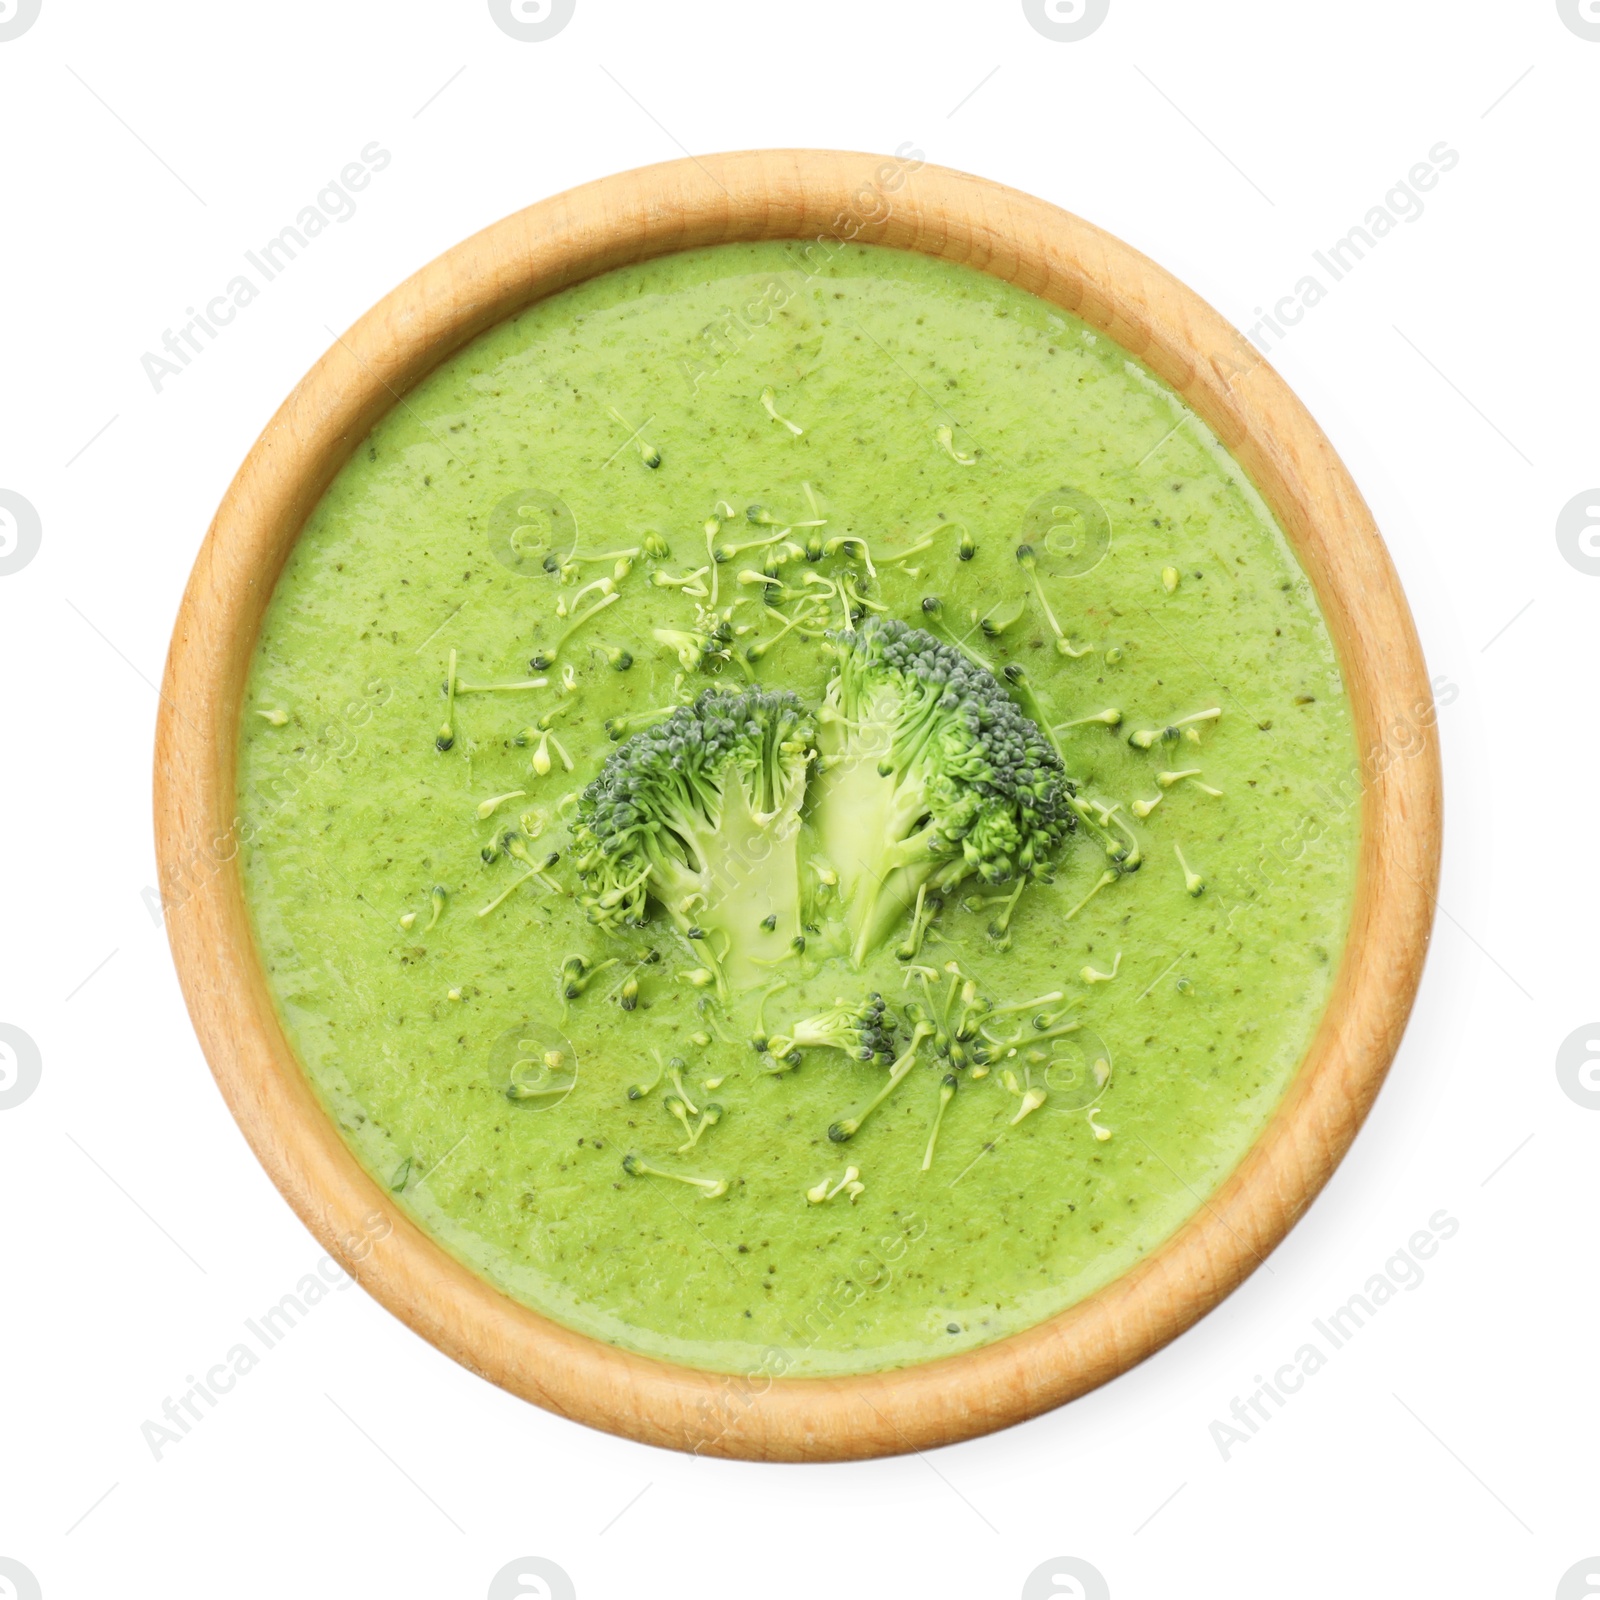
{"type": "Point", "coordinates": [946, 435]}
{"type": "Point", "coordinates": [636, 1167]}
{"type": "Point", "coordinates": [446, 735]}
{"type": "Point", "coordinates": [1147, 738]}
{"type": "Point", "coordinates": [1105, 878]}
{"type": "Point", "coordinates": [848, 1127]}
{"type": "Point", "coordinates": [947, 1089]}
{"type": "Point", "coordinates": [769, 404]}
{"type": "Point", "coordinates": [1192, 881]}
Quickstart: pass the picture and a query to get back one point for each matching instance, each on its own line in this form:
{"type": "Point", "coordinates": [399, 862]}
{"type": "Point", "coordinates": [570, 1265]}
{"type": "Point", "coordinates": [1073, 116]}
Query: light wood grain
{"type": "Point", "coordinates": [795, 195]}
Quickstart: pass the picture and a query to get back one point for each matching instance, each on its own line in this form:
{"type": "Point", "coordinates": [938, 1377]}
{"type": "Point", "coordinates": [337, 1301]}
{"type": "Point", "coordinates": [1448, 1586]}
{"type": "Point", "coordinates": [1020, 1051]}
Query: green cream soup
{"type": "Point", "coordinates": [693, 475]}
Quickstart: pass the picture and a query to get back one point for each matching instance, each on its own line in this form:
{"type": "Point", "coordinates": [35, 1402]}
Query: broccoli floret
{"type": "Point", "coordinates": [865, 1031]}
{"type": "Point", "coordinates": [701, 813]}
{"type": "Point", "coordinates": [929, 773]}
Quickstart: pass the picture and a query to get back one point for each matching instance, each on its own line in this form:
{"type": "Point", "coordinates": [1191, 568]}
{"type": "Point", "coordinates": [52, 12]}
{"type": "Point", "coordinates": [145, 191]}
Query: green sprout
{"type": "Point", "coordinates": [637, 1167]}
{"type": "Point", "coordinates": [437, 896]}
{"type": "Point", "coordinates": [947, 1090]}
{"type": "Point", "coordinates": [446, 735]}
{"type": "Point", "coordinates": [846, 1128]}
{"type": "Point", "coordinates": [1148, 738]}
{"type": "Point", "coordinates": [1193, 883]}
{"type": "Point", "coordinates": [769, 404]}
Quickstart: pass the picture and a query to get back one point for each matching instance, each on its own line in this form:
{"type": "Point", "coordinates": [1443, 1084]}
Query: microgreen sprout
{"type": "Point", "coordinates": [637, 1167]}
{"type": "Point", "coordinates": [577, 975]}
{"type": "Point", "coordinates": [847, 1127]}
{"type": "Point", "coordinates": [1105, 879]}
{"type": "Point", "coordinates": [709, 1118]}
{"type": "Point", "coordinates": [844, 541]}
{"type": "Point", "coordinates": [1192, 774]}
{"type": "Point", "coordinates": [946, 435]}
{"type": "Point", "coordinates": [487, 808]}
{"type": "Point", "coordinates": [637, 1091]}
{"type": "Point", "coordinates": [947, 1090]}
{"type": "Point", "coordinates": [821, 1193]}
{"type": "Point", "coordinates": [1109, 718]}
{"type": "Point", "coordinates": [1032, 1098]}
{"type": "Point", "coordinates": [437, 896]}
{"type": "Point", "coordinates": [276, 717]}
{"type": "Point", "coordinates": [1090, 976]}
{"type": "Point", "coordinates": [1001, 617]}
{"type": "Point", "coordinates": [769, 404]}
{"type": "Point", "coordinates": [1148, 738]}
{"type": "Point", "coordinates": [911, 946]}
{"type": "Point", "coordinates": [1192, 881]}
{"type": "Point", "coordinates": [547, 658]}
{"type": "Point", "coordinates": [446, 735]}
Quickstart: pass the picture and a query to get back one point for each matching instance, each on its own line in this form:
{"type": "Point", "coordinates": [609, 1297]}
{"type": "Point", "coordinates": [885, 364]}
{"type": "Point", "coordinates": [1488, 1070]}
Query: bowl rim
{"type": "Point", "coordinates": [823, 199]}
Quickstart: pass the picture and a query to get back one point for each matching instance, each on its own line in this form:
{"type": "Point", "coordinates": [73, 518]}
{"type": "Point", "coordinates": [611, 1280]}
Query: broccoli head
{"type": "Point", "coordinates": [928, 773]}
{"type": "Point", "coordinates": [701, 813]}
{"type": "Point", "coordinates": [865, 1031]}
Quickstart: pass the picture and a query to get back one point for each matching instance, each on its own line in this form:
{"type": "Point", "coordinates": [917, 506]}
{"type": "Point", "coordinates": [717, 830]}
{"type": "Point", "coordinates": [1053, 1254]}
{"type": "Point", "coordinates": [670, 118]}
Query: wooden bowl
{"type": "Point", "coordinates": [823, 197]}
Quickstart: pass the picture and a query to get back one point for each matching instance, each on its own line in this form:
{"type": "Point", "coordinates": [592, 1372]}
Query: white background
{"type": "Point", "coordinates": [1447, 1448]}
